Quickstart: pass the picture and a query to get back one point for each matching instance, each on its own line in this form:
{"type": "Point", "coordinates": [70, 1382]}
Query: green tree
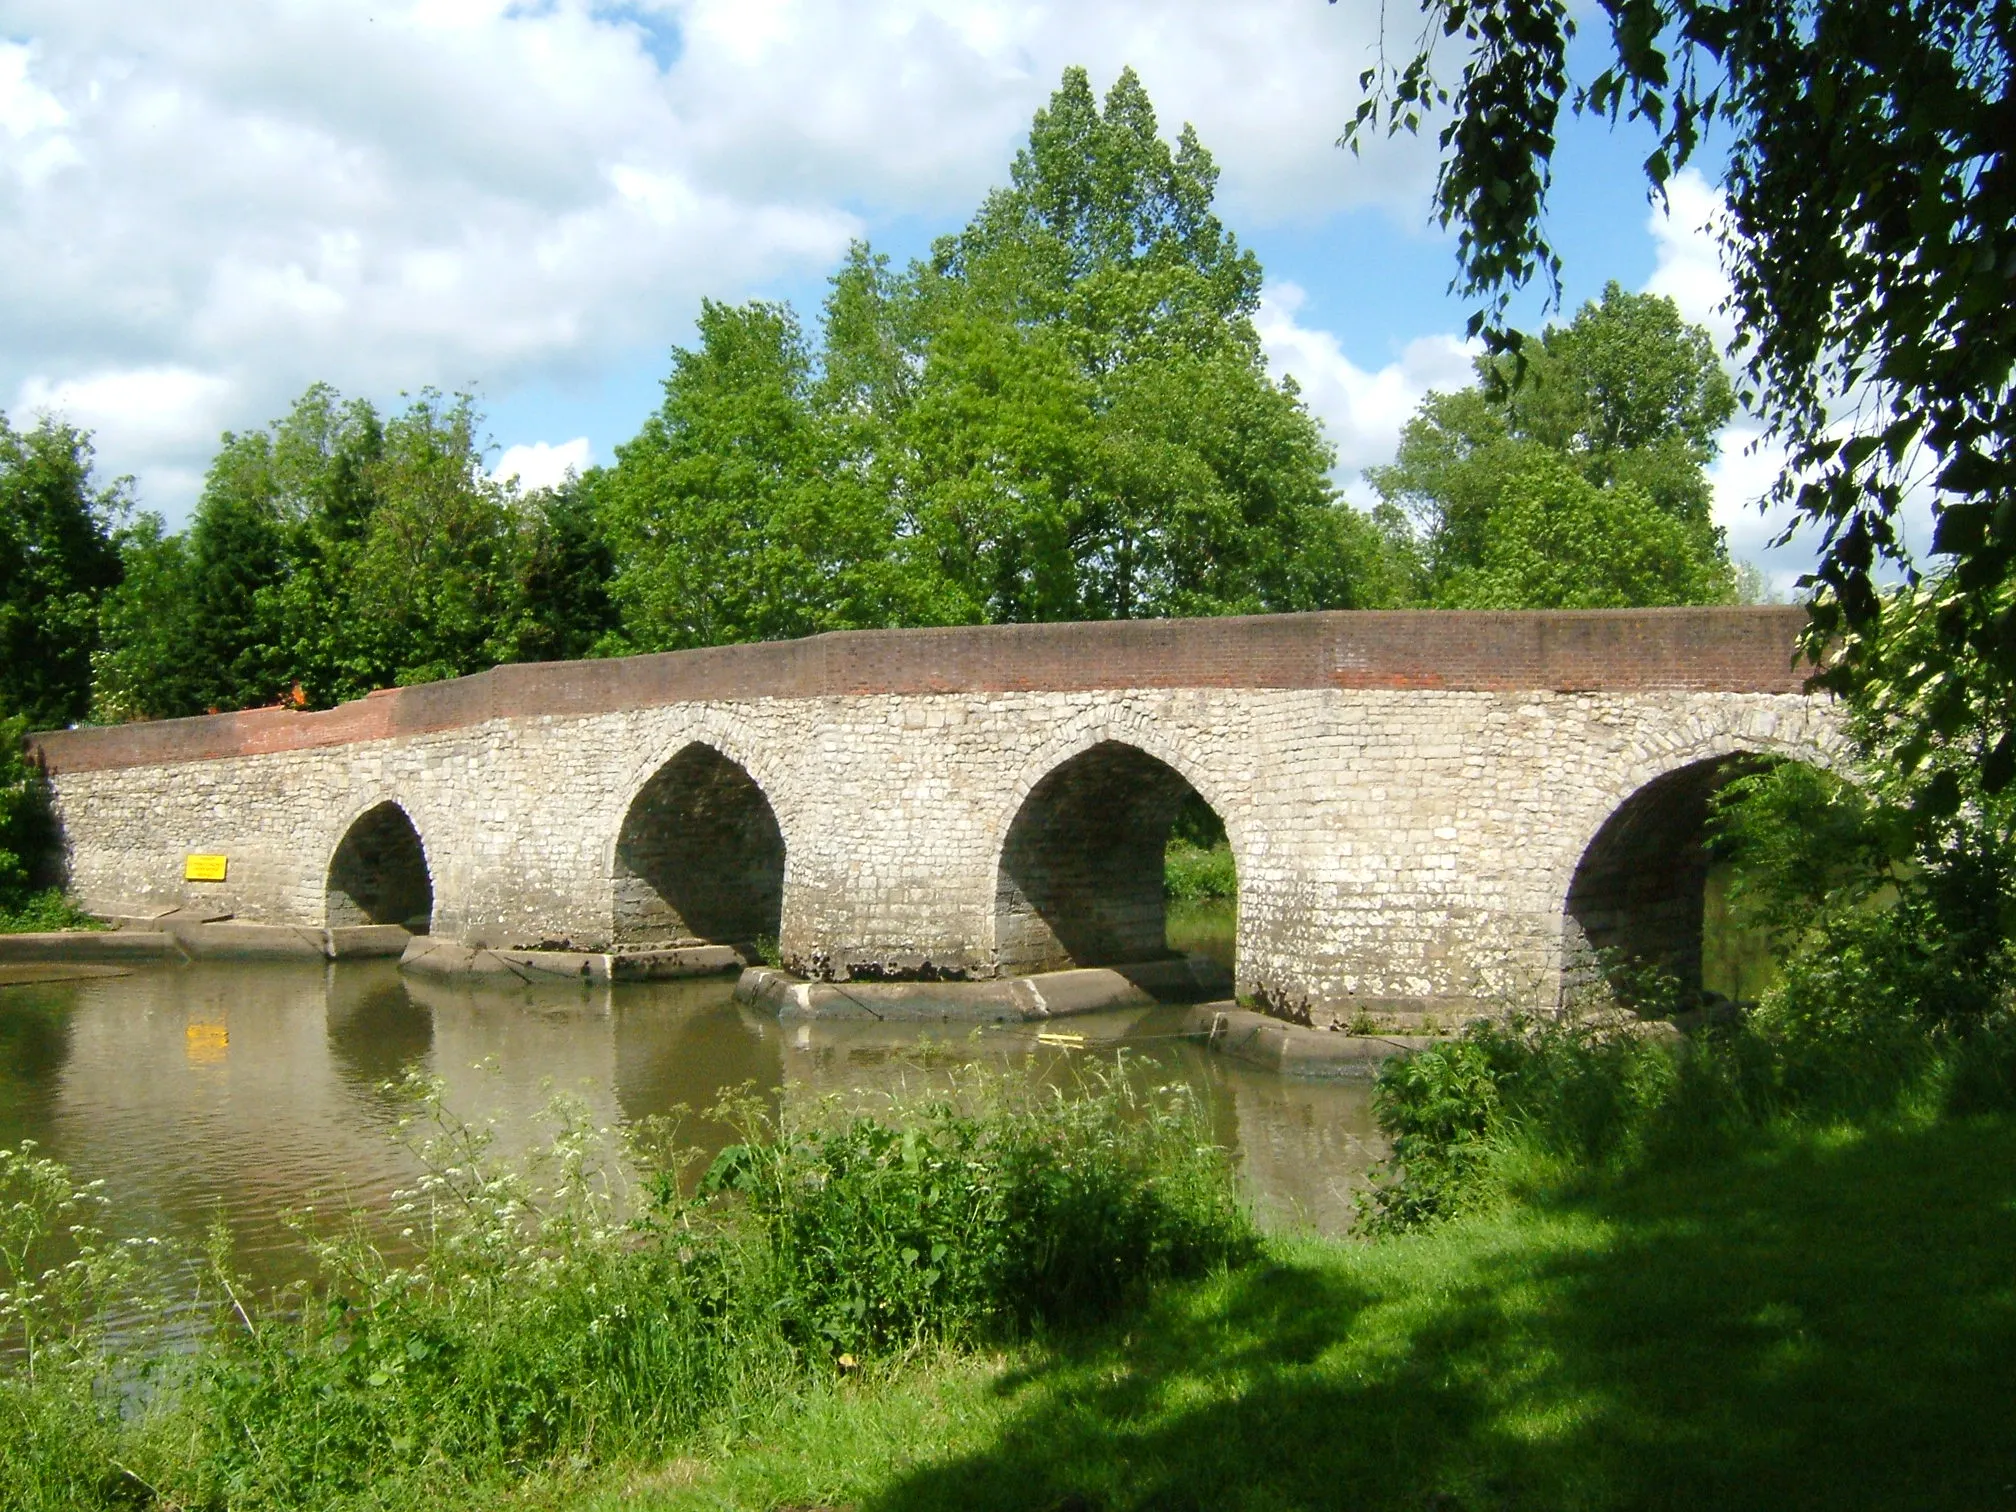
{"type": "Point", "coordinates": [1557, 541]}
{"type": "Point", "coordinates": [235, 553]}
{"type": "Point", "coordinates": [336, 552]}
{"type": "Point", "coordinates": [1085, 426]}
{"type": "Point", "coordinates": [140, 671]}
{"type": "Point", "coordinates": [24, 827]}
{"type": "Point", "coordinates": [326, 456]}
{"type": "Point", "coordinates": [565, 611]}
{"type": "Point", "coordinates": [733, 515]}
{"type": "Point", "coordinates": [1871, 239]}
{"type": "Point", "coordinates": [1582, 483]}
{"type": "Point", "coordinates": [1063, 413]}
{"type": "Point", "coordinates": [435, 592]}
{"type": "Point", "coordinates": [57, 562]}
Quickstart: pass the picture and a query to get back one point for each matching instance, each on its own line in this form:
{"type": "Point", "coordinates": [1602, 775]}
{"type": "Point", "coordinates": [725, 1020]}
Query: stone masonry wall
{"type": "Point", "coordinates": [1399, 846]}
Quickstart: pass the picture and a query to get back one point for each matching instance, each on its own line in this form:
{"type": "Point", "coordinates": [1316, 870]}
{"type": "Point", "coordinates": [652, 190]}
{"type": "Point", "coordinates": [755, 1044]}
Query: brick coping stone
{"type": "Point", "coordinates": [1747, 649]}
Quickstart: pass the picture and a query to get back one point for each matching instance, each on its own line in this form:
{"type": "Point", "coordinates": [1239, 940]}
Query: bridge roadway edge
{"type": "Point", "coordinates": [1404, 790]}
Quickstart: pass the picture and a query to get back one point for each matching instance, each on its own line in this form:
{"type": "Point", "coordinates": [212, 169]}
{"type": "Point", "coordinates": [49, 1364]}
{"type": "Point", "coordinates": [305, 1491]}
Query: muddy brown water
{"type": "Point", "coordinates": [235, 1093]}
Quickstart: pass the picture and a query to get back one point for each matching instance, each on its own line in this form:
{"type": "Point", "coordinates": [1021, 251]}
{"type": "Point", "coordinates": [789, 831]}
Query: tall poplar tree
{"type": "Point", "coordinates": [1083, 424]}
{"type": "Point", "coordinates": [57, 562]}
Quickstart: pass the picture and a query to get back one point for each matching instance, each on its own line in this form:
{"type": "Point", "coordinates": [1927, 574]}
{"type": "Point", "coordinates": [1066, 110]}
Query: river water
{"type": "Point", "coordinates": [209, 1092]}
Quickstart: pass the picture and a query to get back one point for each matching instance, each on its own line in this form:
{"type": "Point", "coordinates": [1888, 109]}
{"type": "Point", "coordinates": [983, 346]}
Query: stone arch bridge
{"type": "Point", "coordinates": [1427, 810]}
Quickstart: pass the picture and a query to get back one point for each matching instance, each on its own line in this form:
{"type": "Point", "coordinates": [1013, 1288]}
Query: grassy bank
{"type": "Point", "coordinates": [1768, 1268]}
{"type": "Point", "coordinates": [515, 1328]}
{"type": "Point", "coordinates": [1825, 1320]}
{"type": "Point", "coordinates": [1759, 1270]}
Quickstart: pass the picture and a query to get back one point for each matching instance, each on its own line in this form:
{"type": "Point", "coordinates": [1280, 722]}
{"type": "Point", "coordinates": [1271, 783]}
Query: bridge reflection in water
{"type": "Point", "coordinates": [239, 1092]}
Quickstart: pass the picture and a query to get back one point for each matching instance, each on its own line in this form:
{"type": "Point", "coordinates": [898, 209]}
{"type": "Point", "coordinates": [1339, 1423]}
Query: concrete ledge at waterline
{"type": "Point", "coordinates": [212, 941]}
{"type": "Point", "coordinates": [116, 945]}
{"type": "Point", "coordinates": [675, 962]}
{"type": "Point", "coordinates": [791, 997]}
{"type": "Point", "coordinates": [444, 958]}
{"type": "Point", "coordinates": [253, 942]}
{"type": "Point", "coordinates": [1294, 1050]}
{"type": "Point", "coordinates": [1050, 994]}
{"type": "Point", "coordinates": [361, 942]}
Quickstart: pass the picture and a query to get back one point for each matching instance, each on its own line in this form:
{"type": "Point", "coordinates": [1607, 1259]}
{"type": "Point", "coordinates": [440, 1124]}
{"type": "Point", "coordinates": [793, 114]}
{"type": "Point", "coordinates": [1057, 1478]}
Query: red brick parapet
{"type": "Point", "coordinates": [1745, 650]}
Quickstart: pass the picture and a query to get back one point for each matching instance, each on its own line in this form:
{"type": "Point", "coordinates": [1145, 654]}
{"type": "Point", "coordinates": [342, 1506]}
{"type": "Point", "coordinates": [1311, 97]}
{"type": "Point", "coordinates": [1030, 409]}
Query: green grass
{"type": "Point", "coordinates": [1193, 873]}
{"type": "Point", "coordinates": [1209, 927]}
{"type": "Point", "coordinates": [1826, 1321]}
{"type": "Point", "coordinates": [43, 911]}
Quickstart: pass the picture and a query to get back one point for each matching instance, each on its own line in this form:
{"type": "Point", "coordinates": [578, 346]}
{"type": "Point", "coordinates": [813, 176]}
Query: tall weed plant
{"type": "Point", "coordinates": [947, 1226]}
{"type": "Point", "coordinates": [1510, 1105]}
{"type": "Point", "coordinates": [537, 1318]}
{"type": "Point", "coordinates": [60, 1277]}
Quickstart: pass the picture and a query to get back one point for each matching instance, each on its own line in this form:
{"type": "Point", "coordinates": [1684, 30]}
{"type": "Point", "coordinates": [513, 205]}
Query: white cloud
{"type": "Point", "coordinates": [33, 121]}
{"type": "Point", "coordinates": [1689, 270]}
{"type": "Point", "coordinates": [458, 192]}
{"type": "Point", "coordinates": [1741, 476]}
{"type": "Point", "coordinates": [542, 464]}
{"type": "Point", "coordinates": [1363, 411]}
{"type": "Point", "coordinates": [170, 416]}
{"type": "Point", "coordinates": [25, 107]}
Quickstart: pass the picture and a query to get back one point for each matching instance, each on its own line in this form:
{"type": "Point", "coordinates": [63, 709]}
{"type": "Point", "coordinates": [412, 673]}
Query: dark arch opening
{"type": "Point", "coordinates": [699, 857]}
{"type": "Point", "coordinates": [1082, 875]}
{"type": "Point", "coordinates": [1637, 907]}
{"type": "Point", "coordinates": [379, 873]}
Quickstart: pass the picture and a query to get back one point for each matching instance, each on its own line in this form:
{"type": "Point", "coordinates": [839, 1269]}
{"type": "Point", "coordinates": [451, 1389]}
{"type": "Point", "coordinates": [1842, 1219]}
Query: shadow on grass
{"type": "Point", "coordinates": [1829, 1324]}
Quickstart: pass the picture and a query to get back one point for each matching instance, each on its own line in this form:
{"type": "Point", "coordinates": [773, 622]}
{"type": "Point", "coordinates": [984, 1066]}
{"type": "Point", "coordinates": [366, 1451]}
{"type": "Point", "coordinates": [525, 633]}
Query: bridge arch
{"type": "Point", "coordinates": [1079, 860]}
{"type": "Point", "coordinates": [699, 853]}
{"type": "Point", "coordinates": [1635, 886]}
{"type": "Point", "coordinates": [378, 871]}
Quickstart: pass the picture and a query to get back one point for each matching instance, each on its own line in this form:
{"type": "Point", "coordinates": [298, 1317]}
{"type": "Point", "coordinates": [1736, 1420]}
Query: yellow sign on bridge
{"type": "Point", "coordinates": [204, 868]}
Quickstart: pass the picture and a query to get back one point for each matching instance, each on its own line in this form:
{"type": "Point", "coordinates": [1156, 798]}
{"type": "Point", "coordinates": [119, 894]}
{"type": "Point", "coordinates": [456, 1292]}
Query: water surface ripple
{"type": "Point", "coordinates": [211, 1092]}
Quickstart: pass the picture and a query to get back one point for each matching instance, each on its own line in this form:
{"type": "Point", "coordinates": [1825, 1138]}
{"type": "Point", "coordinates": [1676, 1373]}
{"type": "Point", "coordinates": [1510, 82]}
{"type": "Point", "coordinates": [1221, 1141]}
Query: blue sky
{"type": "Point", "coordinates": [203, 211]}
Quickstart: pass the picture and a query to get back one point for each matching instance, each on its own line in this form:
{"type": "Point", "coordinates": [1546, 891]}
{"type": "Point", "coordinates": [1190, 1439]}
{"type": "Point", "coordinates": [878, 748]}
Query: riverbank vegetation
{"type": "Point", "coordinates": [1059, 1305]}
{"type": "Point", "coordinates": [28, 899]}
{"type": "Point", "coordinates": [517, 1322]}
{"type": "Point", "coordinates": [1197, 864]}
{"type": "Point", "coordinates": [1200, 885]}
{"type": "Point", "coordinates": [1823, 1320]}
